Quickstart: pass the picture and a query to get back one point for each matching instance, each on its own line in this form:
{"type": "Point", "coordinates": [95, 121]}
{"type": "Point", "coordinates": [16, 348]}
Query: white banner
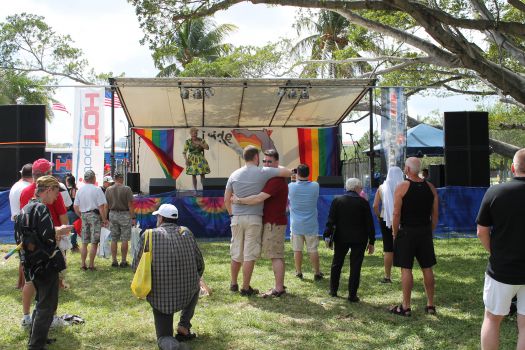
{"type": "Point", "coordinates": [88, 137]}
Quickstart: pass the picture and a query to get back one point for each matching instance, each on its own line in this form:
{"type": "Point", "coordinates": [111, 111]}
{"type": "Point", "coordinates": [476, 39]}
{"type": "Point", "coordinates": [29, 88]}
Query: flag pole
{"type": "Point", "coordinates": [112, 158]}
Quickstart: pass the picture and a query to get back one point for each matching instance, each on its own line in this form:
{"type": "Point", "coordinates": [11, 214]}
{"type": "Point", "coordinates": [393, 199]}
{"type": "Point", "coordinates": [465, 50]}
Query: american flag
{"type": "Point", "coordinates": [107, 100]}
{"type": "Point", "coordinates": [57, 106]}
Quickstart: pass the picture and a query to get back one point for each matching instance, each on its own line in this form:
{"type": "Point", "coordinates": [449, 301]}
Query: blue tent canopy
{"type": "Point", "coordinates": [422, 140]}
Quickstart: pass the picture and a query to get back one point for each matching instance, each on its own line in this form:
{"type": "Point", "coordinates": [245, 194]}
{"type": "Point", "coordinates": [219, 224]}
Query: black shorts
{"type": "Point", "coordinates": [388, 240]}
{"type": "Point", "coordinates": [414, 242]}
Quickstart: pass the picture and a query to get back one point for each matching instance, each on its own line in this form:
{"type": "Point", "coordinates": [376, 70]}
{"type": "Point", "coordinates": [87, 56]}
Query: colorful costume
{"type": "Point", "coordinates": [197, 164]}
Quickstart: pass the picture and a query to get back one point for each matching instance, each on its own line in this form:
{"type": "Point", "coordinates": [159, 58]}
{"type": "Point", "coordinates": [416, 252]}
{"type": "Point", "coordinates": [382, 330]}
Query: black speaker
{"type": "Point", "coordinates": [330, 181]}
{"type": "Point", "coordinates": [161, 185]}
{"type": "Point", "coordinates": [214, 183]}
{"type": "Point", "coordinates": [436, 175]}
{"type": "Point", "coordinates": [22, 139]}
{"type": "Point", "coordinates": [133, 181]}
{"type": "Point", "coordinates": [467, 149]}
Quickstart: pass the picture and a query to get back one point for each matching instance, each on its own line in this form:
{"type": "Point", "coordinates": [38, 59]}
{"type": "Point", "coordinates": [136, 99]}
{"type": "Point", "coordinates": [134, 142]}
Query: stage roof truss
{"type": "Point", "coordinates": [238, 103]}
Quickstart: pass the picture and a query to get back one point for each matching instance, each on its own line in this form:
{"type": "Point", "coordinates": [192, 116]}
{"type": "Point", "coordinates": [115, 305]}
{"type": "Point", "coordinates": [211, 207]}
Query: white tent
{"type": "Point", "coordinates": [213, 103]}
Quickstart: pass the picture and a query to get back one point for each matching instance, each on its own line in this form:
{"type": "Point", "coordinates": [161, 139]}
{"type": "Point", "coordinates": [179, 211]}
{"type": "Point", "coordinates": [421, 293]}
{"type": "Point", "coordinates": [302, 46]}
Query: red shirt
{"type": "Point", "coordinates": [275, 207]}
{"type": "Point", "coordinates": [56, 209]}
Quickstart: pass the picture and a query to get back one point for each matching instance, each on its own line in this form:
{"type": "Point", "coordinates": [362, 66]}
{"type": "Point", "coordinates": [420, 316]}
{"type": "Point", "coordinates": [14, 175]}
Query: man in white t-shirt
{"type": "Point", "coordinates": [26, 178]}
{"type": "Point", "coordinates": [90, 206]}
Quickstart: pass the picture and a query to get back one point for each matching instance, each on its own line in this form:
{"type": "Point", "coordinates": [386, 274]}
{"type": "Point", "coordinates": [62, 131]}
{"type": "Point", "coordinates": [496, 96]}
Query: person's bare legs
{"type": "Point", "coordinates": [114, 251]}
{"type": "Point", "coordinates": [202, 180]}
{"type": "Point", "coordinates": [28, 293]}
{"type": "Point", "coordinates": [314, 259]}
{"type": "Point", "coordinates": [247, 270]}
{"type": "Point", "coordinates": [407, 282]}
{"type": "Point", "coordinates": [235, 267]}
{"type": "Point", "coordinates": [194, 181]}
{"type": "Point", "coordinates": [388, 260]}
{"type": "Point", "coordinates": [298, 261]}
{"type": "Point", "coordinates": [83, 254]}
{"type": "Point", "coordinates": [521, 334]}
{"type": "Point", "coordinates": [92, 254]}
{"type": "Point", "coordinates": [428, 280]}
{"type": "Point", "coordinates": [278, 267]}
{"type": "Point", "coordinates": [490, 331]}
{"type": "Point", "coordinates": [123, 251]}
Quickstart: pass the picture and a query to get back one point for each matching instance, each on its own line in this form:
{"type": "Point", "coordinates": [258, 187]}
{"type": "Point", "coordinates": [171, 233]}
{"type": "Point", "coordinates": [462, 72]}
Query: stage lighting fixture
{"type": "Point", "coordinates": [281, 92]}
{"type": "Point", "coordinates": [304, 94]}
{"type": "Point", "coordinates": [209, 92]}
{"type": "Point", "coordinates": [185, 93]}
{"type": "Point", "coordinates": [292, 93]}
{"type": "Point", "coordinates": [197, 94]}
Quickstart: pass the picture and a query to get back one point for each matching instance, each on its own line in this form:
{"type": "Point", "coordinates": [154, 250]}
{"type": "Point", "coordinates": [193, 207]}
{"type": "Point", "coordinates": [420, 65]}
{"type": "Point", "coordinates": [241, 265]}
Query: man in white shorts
{"type": "Point", "coordinates": [501, 231]}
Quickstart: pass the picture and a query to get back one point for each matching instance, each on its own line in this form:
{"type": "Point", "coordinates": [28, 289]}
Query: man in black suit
{"type": "Point", "coordinates": [351, 221]}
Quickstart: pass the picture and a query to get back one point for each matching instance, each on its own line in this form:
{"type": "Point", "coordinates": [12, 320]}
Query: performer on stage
{"type": "Point", "coordinates": [193, 153]}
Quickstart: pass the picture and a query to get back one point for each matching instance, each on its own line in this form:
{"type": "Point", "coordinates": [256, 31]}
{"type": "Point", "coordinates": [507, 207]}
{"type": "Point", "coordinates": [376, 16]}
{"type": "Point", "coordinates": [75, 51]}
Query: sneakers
{"type": "Point", "coordinates": [299, 275]}
{"type": "Point", "coordinates": [114, 264]}
{"type": "Point", "coordinates": [386, 280]}
{"type": "Point", "coordinates": [124, 264]}
{"type": "Point", "coordinates": [353, 299]}
{"type": "Point", "coordinates": [26, 321]}
{"type": "Point", "coordinates": [319, 276]}
{"type": "Point", "coordinates": [249, 292]}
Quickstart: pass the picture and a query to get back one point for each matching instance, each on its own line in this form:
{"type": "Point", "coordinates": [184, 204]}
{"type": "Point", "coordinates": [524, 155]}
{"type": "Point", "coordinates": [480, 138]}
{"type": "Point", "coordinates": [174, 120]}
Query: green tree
{"type": "Point", "coordinates": [475, 39]}
{"type": "Point", "coordinates": [244, 62]}
{"type": "Point", "coordinates": [327, 34]}
{"type": "Point", "coordinates": [175, 46]}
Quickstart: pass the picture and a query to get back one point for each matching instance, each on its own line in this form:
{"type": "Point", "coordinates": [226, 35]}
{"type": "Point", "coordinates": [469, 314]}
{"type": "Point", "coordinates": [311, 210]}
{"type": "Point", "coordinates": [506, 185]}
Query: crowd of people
{"type": "Point", "coordinates": [257, 199]}
{"type": "Point", "coordinates": [41, 205]}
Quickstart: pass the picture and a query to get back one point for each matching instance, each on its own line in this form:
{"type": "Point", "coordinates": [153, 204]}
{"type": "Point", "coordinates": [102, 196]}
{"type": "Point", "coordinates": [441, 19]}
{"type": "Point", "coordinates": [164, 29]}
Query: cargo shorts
{"type": "Point", "coordinates": [91, 225]}
{"type": "Point", "coordinates": [120, 225]}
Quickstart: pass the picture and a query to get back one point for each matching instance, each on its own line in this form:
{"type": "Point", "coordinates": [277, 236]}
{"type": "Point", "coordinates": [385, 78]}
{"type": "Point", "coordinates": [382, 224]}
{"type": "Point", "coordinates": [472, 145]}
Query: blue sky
{"type": "Point", "coordinates": [109, 34]}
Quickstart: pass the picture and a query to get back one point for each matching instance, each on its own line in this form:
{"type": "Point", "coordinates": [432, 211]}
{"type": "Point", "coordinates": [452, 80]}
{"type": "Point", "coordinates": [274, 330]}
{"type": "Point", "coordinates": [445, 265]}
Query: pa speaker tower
{"type": "Point", "coordinates": [467, 149]}
{"type": "Point", "coordinates": [22, 139]}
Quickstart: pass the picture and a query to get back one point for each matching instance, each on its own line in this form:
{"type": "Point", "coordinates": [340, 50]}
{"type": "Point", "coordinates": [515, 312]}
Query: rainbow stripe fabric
{"type": "Point", "coordinates": [319, 149]}
{"type": "Point", "coordinates": [161, 143]}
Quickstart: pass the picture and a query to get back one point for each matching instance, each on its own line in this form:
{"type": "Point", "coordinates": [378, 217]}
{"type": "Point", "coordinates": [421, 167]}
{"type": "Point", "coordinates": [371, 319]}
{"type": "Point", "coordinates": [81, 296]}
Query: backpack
{"type": "Point", "coordinates": [36, 255]}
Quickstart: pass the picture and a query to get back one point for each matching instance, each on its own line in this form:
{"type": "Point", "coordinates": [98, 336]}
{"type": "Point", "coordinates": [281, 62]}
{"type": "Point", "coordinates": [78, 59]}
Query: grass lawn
{"type": "Point", "coordinates": [306, 318]}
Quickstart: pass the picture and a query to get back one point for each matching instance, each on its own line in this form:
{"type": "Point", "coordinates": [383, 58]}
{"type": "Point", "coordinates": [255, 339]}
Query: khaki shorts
{"type": "Point", "coordinates": [246, 237]}
{"type": "Point", "coordinates": [91, 225]}
{"type": "Point", "coordinates": [120, 226]}
{"type": "Point", "coordinates": [312, 242]}
{"type": "Point", "coordinates": [273, 241]}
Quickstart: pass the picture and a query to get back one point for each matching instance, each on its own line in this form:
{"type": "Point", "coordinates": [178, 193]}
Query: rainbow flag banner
{"type": "Point", "coordinates": [161, 143]}
{"type": "Point", "coordinates": [319, 149]}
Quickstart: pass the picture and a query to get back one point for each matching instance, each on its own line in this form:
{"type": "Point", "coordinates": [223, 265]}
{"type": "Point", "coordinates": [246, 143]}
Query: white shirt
{"type": "Point", "coordinates": [65, 195]}
{"type": "Point", "coordinates": [89, 197]}
{"type": "Point", "coordinates": [14, 197]}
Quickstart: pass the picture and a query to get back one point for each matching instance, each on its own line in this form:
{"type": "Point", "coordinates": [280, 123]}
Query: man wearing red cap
{"type": "Point", "coordinates": [58, 212]}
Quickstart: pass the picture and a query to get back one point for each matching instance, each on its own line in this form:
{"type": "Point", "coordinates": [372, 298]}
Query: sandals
{"type": "Point", "coordinates": [398, 310]}
{"type": "Point", "coordinates": [84, 268]}
{"type": "Point", "coordinates": [273, 293]}
{"type": "Point", "coordinates": [430, 310]}
{"type": "Point", "coordinates": [249, 292]}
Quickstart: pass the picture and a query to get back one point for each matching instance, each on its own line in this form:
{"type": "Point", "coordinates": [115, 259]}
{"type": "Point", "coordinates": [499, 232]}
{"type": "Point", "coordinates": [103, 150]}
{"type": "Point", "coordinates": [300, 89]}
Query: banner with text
{"type": "Point", "coordinates": [88, 137]}
{"type": "Point", "coordinates": [393, 126]}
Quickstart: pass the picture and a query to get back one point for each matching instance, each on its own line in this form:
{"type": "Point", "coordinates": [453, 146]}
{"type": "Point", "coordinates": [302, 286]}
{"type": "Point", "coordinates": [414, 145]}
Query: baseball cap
{"type": "Point", "coordinates": [108, 179]}
{"type": "Point", "coordinates": [167, 211]}
{"type": "Point", "coordinates": [42, 166]}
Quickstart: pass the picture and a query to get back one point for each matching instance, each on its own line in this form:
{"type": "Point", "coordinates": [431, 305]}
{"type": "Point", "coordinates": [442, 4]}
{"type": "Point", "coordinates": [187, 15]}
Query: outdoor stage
{"type": "Point", "coordinates": [206, 216]}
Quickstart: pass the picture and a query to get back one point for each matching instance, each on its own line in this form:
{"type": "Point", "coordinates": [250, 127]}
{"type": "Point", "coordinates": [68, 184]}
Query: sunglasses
{"type": "Point", "coordinates": [267, 161]}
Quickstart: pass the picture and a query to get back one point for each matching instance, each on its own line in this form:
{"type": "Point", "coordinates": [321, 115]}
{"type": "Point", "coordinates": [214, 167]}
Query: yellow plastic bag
{"type": "Point", "coordinates": [141, 284]}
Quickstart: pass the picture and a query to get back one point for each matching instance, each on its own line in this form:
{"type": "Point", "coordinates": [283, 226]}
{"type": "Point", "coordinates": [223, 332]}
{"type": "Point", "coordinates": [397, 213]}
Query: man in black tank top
{"type": "Point", "coordinates": [415, 217]}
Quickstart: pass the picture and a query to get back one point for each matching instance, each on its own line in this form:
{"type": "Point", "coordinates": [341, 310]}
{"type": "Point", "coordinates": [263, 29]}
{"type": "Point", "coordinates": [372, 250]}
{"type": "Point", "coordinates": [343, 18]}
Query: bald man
{"type": "Point", "coordinates": [501, 231]}
{"type": "Point", "coordinates": [414, 219]}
